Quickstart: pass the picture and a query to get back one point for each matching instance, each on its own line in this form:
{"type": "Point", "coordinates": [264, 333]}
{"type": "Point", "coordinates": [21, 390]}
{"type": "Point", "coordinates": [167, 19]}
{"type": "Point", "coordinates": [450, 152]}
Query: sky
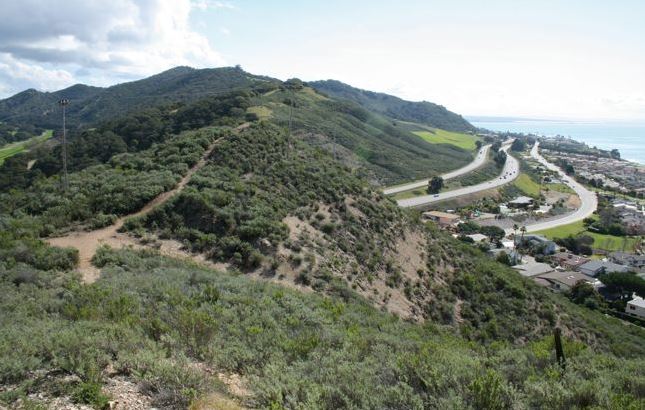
{"type": "Point", "coordinates": [537, 59]}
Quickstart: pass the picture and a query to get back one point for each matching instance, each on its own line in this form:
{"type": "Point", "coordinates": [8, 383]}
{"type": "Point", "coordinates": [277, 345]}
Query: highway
{"type": "Point", "coordinates": [588, 199]}
{"type": "Point", "coordinates": [476, 163]}
{"type": "Point", "coordinates": [509, 173]}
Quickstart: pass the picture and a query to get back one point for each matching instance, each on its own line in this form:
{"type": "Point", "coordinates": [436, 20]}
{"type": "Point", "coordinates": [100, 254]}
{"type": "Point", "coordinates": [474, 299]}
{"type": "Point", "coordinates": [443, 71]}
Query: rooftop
{"type": "Point", "coordinates": [567, 277]}
{"type": "Point", "coordinates": [521, 200]}
{"type": "Point", "coordinates": [609, 266]}
{"type": "Point", "coordinates": [637, 301]}
{"type": "Point", "coordinates": [533, 269]}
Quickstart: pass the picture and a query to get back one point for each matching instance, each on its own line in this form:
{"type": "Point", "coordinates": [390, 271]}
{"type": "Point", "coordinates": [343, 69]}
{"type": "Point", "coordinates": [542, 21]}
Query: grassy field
{"type": "Point", "coordinates": [527, 185]}
{"type": "Point", "coordinates": [12, 149]}
{"type": "Point", "coordinates": [410, 194]}
{"type": "Point", "coordinates": [262, 112]}
{"type": "Point", "coordinates": [464, 141]}
{"type": "Point", "coordinates": [605, 242]}
{"type": "Point", "coordinates": [559, 188]}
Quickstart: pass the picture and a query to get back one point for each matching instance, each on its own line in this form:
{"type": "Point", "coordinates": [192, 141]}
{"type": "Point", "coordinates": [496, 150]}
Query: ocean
{"type": "Point", "coordinates": [628, 138]}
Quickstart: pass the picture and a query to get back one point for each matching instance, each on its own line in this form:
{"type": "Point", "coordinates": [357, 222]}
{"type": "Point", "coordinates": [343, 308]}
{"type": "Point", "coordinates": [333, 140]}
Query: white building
{"type": "Point", "coordinates": [636, 307]}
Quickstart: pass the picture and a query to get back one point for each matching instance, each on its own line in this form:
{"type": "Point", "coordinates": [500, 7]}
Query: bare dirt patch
{"type": "Point", "coordinates": [88, 242]}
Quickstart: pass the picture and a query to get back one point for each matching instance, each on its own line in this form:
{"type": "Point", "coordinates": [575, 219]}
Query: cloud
{"type": "Point", "coordinates": [16, 75]}
{"type": "Point", "coordinates": [57, 40]}
{"type": "Point", "coordinates": [210, 4]}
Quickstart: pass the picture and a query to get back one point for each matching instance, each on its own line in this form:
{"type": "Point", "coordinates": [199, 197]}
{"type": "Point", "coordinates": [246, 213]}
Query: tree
{"type": "Point", "coordinates": [504, 258]}
{"type": "Point", "coordinates": [435, 185]}
{"type": "Point", "coordinates": [615, 153]}
{"type": "Point", "coordinates": [500, 158]}
{"type": "Point", "coordinates": [625, 283]}
{"type": "Point", "coordinates": [495, 233]}
{"type": "Point", "coordinates": [583, 293]}
{"type": "Point", "coordinates": [518, 145]}
{"type": "Point", "coordinates": [496, 146]}
{"type": "Point", "coordinates": [478, 144]}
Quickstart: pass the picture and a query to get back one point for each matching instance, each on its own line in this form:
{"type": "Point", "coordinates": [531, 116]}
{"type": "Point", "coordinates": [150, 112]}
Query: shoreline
{"type": "Point", "coordinates": [624, 136]}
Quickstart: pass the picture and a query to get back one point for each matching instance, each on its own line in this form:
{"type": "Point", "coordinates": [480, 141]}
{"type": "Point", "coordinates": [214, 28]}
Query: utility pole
{"type": "Point", "coordinates": [559, 351]}
{"type": "Point", "coordinates": [290, 113]}
{"type": "Point", "coordinates": [64, 103]}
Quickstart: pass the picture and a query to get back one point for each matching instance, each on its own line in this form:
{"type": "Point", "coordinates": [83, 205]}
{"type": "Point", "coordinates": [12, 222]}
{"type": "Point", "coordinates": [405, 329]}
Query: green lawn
{"type": "Point", "coordinates": [527, 185]}
{"type": "Point", "coordinates": [410, 194]}
{"type": "Point", "coordinates": [464, 141]}
{"type": "Point", "coordinates": [560, 188]}
{"type": "Point", "coordinates": [12, 149]}
{"type": "Point", "coordinates": [605, 242]}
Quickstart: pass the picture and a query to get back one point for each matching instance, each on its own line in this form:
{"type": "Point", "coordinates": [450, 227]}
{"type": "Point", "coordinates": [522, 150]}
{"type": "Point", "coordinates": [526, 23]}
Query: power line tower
{"type": "Point", "coordinates": [64, 103]}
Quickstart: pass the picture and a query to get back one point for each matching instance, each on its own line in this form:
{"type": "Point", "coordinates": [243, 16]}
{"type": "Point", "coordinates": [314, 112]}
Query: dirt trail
{"type": "Point", "coordinates": [88, 242]}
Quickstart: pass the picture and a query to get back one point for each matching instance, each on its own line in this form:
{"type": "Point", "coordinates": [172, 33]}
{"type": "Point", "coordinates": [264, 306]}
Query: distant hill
{"type": "Point", "coordinates": [422, 112]}
{"type": "Point", "coordinates": [91, 105]}
{"type": "Point", "coordinates": [354, 123]}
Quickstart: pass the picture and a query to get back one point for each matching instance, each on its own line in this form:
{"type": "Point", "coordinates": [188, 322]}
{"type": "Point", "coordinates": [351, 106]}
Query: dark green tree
{"type": "Point", "coordinates": [518, 145]}
{"type": "Point", "coordinates": [435, 185]}
{"type": "Point", "coordinates": [625, 283]}
{"type": "Point", "coordinates": [583, 293]}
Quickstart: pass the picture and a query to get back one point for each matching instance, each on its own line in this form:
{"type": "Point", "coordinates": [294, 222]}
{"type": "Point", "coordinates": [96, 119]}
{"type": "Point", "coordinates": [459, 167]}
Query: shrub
{"type": "Point", "coordinates": [90, 393]}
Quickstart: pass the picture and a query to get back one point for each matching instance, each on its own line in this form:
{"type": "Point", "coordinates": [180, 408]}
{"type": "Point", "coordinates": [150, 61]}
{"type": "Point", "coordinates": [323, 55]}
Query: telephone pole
{"type": "Point", "coordinates": [64, 103]}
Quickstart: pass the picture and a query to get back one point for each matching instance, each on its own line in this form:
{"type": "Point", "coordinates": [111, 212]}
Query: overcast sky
{"type": "Point", "coordinates": [562, 59]}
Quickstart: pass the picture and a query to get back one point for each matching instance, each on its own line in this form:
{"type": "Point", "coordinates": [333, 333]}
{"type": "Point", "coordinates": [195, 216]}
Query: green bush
{"type": "Point", "coordinates": [90, 393]}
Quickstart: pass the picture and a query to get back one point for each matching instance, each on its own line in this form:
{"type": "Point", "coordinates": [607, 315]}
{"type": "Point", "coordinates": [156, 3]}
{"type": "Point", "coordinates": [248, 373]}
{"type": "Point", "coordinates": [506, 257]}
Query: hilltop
{"type": "Point", "coordinates": [357, 133]}
{"type": "Point", "coordinates": [92, 105]}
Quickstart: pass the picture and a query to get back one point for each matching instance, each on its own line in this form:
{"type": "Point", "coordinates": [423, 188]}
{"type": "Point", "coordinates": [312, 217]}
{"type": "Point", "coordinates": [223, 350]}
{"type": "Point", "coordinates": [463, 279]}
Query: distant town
{"type": "Point", "coordinates": [593, 260]}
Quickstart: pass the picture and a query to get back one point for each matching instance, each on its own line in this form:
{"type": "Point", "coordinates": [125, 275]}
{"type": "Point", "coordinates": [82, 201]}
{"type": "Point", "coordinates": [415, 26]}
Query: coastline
{"type": "Point", "coordinates": [626, 137]}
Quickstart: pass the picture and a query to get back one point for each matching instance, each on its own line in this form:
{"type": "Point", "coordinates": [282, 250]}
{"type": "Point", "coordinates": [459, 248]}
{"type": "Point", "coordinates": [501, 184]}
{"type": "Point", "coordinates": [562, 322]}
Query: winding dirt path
{"type": "Point", "coordinates": [88, 242]}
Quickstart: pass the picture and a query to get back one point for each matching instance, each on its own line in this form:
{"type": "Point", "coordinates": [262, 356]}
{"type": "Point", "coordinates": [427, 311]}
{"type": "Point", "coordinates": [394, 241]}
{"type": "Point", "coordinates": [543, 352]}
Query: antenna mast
{"type": "Point", "coordinates": [64, 103]}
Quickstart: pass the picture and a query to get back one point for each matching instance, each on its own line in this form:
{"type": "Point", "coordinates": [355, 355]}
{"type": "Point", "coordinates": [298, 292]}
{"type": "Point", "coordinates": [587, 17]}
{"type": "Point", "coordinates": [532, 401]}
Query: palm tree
{"type": "Point", "coordinates": [523, 230]}
{"type": "Point", "coordinates": [515, 228]}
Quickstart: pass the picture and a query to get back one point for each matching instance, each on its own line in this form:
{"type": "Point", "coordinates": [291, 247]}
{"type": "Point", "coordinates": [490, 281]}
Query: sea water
{"type": "Point", "coordinates": [628, 138]}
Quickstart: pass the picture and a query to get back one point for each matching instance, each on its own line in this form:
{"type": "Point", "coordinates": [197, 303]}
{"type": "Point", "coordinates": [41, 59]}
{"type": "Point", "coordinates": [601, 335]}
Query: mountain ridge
{"type": "Point", "coordinates": [187, 84]}
{"type": "Point", "coordinates": [423, 112]}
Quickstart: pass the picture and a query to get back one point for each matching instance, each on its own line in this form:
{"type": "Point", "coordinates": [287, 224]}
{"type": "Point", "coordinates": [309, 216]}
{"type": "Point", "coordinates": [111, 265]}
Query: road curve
{"type": "Point", "coordinates": [588, 199]}
{"type": "Point", "coordinates": [476, 163]}
{"type": "Point", "coordinates": [509, 173]}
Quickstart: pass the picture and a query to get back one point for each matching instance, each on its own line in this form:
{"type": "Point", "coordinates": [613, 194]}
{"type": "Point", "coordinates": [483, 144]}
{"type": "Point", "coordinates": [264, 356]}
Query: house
{"type": "Point", "coordinates": [532, 269]}
{"type": "Point", "coordinates": [568, 260]}
{"type": "Point", "coordinates": [444, 219]}
{"type": "Point", "coordinates": [636, 307]}
{"type": "Point", "coordinates": [478, 237]}
{"type": "Point", "coordinates": [562, 281]}
{"type": "Point", "coordinates": [628, 259]}
{"type": "Point", "coordinates": [540, 243]}
{"type": "Point", "coordinates": [594, 268]}
{"type": "Point", "coordinates": [521, 202]}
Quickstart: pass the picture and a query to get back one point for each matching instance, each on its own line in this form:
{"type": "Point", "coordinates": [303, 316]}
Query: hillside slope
{"type": "Point", "coordinates": [386, 152]}
{"type": "Point", "coordinates": [376, 309]}
{"type": "Point", "coordinates": [423, 112]}
{"type": "Point", "coordinates": [360, 138]}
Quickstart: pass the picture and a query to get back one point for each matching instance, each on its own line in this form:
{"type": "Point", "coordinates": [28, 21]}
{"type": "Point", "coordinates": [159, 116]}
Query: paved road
{"type": "Point", "coordinates": [476, 163]}
{"type": "Point", "coordinates": [509, 173]}
{"type": "Point", "coordinates": [588, 199]}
